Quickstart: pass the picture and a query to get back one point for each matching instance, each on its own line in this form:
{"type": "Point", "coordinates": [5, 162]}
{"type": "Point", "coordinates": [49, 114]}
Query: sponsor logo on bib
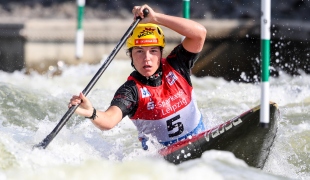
{"type": "Point", "coordinates": [171, 78]}
{"type": "Point", "coordinates": [150, 105]}
{"type": "Point", "coordinates": [145, 93]}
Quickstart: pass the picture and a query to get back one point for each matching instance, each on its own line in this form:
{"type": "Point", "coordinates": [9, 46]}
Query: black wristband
{"type": "Point", "coordinates": [93, 117]}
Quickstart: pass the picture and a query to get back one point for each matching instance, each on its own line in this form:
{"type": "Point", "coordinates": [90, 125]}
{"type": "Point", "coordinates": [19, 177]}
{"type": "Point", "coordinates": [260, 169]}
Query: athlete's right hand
{"type": "Point", "coordinates": [85, 107]}
{"type": "Point", "coordinates": [138, 11]}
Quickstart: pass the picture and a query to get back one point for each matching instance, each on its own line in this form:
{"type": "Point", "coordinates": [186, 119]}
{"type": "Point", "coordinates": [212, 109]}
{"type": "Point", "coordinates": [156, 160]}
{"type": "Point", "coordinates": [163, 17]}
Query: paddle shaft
{"type": "Point", "coordinates": [91, 84]}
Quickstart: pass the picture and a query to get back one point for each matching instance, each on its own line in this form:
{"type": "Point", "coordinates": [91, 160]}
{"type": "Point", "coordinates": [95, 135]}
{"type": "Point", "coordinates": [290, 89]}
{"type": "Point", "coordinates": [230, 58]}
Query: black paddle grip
{"type": "Point", "coordinates": [145, 13]}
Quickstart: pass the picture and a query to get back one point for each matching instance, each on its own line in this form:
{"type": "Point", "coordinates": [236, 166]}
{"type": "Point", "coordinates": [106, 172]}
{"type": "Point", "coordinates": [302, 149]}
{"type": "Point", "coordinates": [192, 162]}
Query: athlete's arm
{"type": "Point", "coordinates": [104, 120]}
{"type": "Point", "coordinates": [194, 32]}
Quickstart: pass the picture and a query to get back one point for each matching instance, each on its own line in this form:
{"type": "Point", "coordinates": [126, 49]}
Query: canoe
{"type": "Point", "coordinates": [241, 135]}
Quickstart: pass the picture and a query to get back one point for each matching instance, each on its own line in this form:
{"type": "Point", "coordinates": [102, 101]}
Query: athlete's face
{"type": "Point", "coordinates": [146, 59]}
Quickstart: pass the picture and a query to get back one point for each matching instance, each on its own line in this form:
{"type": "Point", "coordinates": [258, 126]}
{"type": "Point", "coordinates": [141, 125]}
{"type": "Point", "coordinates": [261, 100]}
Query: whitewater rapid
{"type": "Point", "coordinates": [32, 104]}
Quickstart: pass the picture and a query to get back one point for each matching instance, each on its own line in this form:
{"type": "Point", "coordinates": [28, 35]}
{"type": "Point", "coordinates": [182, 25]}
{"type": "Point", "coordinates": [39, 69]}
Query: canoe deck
{"type": "Point", "coordinates": [242, 135]}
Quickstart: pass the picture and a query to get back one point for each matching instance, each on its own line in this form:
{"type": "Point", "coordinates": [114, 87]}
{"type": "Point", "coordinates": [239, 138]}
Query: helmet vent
{"type": "Point", "coordinates": [159, 32]}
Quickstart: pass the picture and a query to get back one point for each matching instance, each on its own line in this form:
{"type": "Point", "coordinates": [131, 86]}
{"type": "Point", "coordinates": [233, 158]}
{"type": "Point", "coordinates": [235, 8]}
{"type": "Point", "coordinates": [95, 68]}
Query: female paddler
{"type": "Point", "coordinates": [158, 95]}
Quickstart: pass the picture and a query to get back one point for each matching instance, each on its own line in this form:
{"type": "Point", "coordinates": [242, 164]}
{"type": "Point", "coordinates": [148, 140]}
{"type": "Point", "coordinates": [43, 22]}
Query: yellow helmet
{"type": "Point", "coordinates": [146, 35]}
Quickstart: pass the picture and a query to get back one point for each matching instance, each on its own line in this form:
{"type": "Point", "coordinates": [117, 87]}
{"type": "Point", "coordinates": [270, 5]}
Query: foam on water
{"type": "Point", "coordinates": [31, 106]}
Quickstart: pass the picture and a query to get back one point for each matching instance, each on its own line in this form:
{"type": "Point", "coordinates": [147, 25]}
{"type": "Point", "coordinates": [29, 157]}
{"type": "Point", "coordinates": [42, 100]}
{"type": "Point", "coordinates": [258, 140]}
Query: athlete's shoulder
{"type": "Point", "coordinates": [126, 98]}
{"type": "Point", "coordinates": [128, 86]}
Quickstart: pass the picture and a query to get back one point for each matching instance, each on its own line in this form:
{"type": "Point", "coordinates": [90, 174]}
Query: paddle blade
{"type": "Point", "coordinates": [44, 143]}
